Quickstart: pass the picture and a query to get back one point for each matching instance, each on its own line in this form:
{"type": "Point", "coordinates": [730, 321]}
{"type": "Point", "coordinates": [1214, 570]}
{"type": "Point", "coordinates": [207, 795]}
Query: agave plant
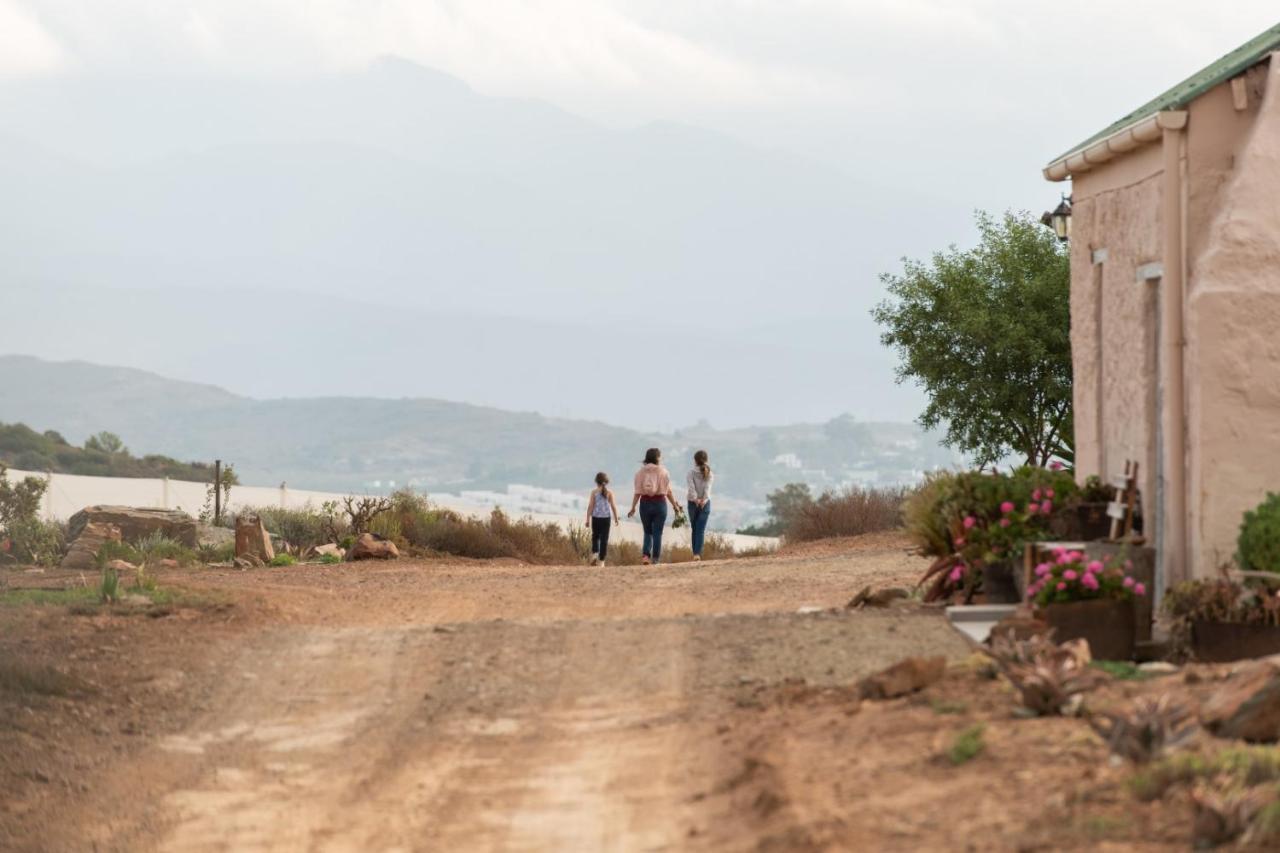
{"type": "Point", "coordinates": [1147, 729]}
{"type": "Point", "coordinates": [1049, 677]}
{"type": "Point", "coordinates": [1225, 812]}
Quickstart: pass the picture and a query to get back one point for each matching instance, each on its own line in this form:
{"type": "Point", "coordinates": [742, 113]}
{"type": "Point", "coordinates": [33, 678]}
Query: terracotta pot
{"type": "Point", "coordinates": [1219, 642]}
{"type": "Point", "coordinates": [1108, 624]}
{"type": "Point", "coordinates": [998, 583]}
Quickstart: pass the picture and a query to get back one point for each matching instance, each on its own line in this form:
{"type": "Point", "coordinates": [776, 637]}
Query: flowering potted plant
{"type": "Point", "coordinates": [1218, 619]}
{"type": "Point", "coordinates": [1088, 599]}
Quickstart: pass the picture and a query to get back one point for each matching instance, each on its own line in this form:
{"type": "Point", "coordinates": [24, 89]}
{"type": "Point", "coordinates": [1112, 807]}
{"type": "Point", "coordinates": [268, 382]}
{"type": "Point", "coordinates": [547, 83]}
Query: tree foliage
{"type": "Point", "coordinates": [985, 332]}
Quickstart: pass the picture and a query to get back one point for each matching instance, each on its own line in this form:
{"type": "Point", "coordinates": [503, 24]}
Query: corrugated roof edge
{"type": "Point", "coordinates": [1243, 57]}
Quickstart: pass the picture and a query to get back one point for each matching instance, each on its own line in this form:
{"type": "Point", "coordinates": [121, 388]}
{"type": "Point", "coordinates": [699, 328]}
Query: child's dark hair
{"type": "Point", "coordinates": [652, 456]}
{"type": "Point", "coordinates": [602, 480]}
{"type": "Point", "coordinates": [700, 459]}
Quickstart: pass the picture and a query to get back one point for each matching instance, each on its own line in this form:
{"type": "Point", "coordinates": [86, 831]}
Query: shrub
{"type": "Point", "coordinates": [329, 559]}
{"type": "Point", "coordinates": [216, 553]}
{"type": "Point", "coordinates": [283, 560]}
{"type": "Point", "coordinates": [852, 511]}
{"type": "Point", "coordinates": [157, 546]}
{"type": "Point", "coordinates": [1068, 577]}
{"type": "Point", "coordinates": [23, 536]}
{"type": "Point", "coordinates": [967, 746]}
{"type": "Point", "coordinates": [109, 586]}
{"type": "Point", "coordinates": [39, 542]}
{"type": "Point", "coordinates": [1258, 548]}
{"type": "Point", "coordinates": [925, 517]}
{"type": "Point", "coordinates": [113, 550]}
{"type": "Point", "coordinates": [301, 528]}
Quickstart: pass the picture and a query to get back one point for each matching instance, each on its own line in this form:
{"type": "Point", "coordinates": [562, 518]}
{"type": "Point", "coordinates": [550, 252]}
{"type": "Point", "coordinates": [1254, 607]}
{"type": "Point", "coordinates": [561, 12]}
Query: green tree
{"type": "Point", "coordinates": [985, 332]}
{"type": "Point", "coordinates": [106, 442]}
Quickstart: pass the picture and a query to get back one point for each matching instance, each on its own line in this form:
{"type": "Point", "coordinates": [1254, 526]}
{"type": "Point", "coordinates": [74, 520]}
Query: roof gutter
{"type": "Point", "coordinates": [1141, 132]}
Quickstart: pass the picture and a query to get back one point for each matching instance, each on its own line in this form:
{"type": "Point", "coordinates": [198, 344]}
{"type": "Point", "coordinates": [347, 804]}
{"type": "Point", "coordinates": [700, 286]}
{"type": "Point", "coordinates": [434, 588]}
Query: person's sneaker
{"type": "Point", "coordinates": [602, 564]}
{"type": "Point", "coordinates": [595, 561]}
{"type": "Point", "coordinates": [697, 558]}
{"type": "Point", "coordinates": [644, 561]}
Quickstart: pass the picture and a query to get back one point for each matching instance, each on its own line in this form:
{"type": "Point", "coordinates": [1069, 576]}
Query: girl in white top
{"type": "Point", "coordinates": [601, 510]}
{"type": "Point", "coordinates": [699, 480]}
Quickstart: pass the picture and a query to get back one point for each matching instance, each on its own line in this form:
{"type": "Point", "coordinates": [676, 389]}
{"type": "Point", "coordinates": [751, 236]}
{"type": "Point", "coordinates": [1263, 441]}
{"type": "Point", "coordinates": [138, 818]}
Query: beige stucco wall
{"type": "Point", "coordinates": [1115, 211]}
{"type": "Point", "coordinates": [1230, 183]}
{"type": "Point", "coordinates": [1233, 314]}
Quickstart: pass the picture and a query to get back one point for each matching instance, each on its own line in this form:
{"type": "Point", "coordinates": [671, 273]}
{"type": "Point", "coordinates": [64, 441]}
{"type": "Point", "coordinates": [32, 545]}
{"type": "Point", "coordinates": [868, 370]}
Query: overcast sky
{"type": "Point", "coordinates": [879, 84]}
{"type": "Point", "coordinates": [949, 105]}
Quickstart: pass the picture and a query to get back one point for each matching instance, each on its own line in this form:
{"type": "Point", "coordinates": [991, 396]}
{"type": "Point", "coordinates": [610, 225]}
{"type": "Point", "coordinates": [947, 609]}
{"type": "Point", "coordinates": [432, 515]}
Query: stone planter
{"type": "Point", "coordinates": [1144, 571]}
{"type": "Point", "coordinates": [1219, 642]}
{"type": "Point", "coordinates": [1000, 583]}
{"type": "Point", "coordinates": [1108, 625]}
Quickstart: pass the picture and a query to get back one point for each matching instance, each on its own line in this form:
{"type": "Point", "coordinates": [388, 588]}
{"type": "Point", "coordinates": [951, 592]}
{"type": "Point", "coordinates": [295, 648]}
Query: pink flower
{"type": "Point", "coordinates": [1035, 496]}
{"type": "Point", "coordinates": [1139, 589]}
{"type": "Point", "coordinates": [959, 541]}
{"type": "Point", "coordinates": [1046, 507]}
{"type": "Point", "coordinates": [1089, 581]}
{"type": "Point", "coordinates": [1128, 583]}
{"type": "Point", "coordinates": [1070, 574]}
{"type": "Point", "coordinates": [1033, 508]}
{"type": "Point", "coordinates": [1063, 557]}
{"type": "Point", "coordinates": [1043, 569]}
{"type": "Point", "coordinates": [1095, 566]}
{"type": "Point", "coordinates": [956, 574]}
{"type": "Point", "coordinates": [1055, 465]}
{"type": "Point", "coordinates": [1061, 586]}
{"type": "Point", "coordinates": [1004, 522]}
{"type": "Point", "coordinates": [969, 522]}
{"type": "Point", "coordinates": [1006, 507]}
{"type": "Point", "coordinates": [1076, 555]}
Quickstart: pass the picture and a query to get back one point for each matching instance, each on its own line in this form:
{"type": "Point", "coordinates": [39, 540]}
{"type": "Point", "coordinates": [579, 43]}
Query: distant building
{"type": "Point", "coordinates": [1175, 302]}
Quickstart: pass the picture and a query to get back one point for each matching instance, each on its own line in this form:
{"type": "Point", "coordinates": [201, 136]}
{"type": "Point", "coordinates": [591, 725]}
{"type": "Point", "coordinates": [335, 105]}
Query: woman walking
{"type": "Point", "coordinates": [652, 494]}
{"type": "Point", "coordinates": [601, 510]}
{"type": "Point", "coordinates": [699, 501]}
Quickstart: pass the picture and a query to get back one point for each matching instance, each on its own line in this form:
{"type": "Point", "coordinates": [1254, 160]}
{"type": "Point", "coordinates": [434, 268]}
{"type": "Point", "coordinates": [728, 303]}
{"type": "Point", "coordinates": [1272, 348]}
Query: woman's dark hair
{"type": "Point", "coordinates": [602, 480]}
{"type": "Point", "coordinates": [700, 459]}
{"type": "Point", "coordinates": [652, 456]}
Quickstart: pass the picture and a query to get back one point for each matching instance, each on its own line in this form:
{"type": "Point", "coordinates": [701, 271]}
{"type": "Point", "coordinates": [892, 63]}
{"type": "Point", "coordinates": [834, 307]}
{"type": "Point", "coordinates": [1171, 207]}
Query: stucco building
{"type": "Point", "coordinates": [1175, 302]}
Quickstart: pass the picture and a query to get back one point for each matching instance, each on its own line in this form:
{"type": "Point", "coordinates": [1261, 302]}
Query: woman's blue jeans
{"type": "Point", "coordinates": [698, 524]}
{"type": "Point", "coordinates": [653, 517]}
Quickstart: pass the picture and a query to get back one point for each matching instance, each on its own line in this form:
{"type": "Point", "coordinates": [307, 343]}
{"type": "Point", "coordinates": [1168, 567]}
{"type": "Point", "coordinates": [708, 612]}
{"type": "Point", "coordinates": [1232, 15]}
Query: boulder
{"type": "Point", "coordinates": [208, 536]}
{"type": "Point", "coordinates": [252, 540]}
{"type": "Point", "coordinates": [83, 553]}
{"type": "Point", "coordinates": [1247, 705]}
{"type": "Point", "coordinates": [331, 549]}
{"type": "Point", "coordinates": [906, 676]}
{"type": "Point", "coordinates": [372, 547]}
{"type": "Point", "coordinates": [137, 523]}
{"type": "Point", "coordinates": [122, 566]}
{"type": "Point", "coordinates": [879, 598]}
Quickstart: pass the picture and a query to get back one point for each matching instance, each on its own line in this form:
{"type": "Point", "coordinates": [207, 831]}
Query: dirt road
{"type": "Point", "coordinates": [485, 706]}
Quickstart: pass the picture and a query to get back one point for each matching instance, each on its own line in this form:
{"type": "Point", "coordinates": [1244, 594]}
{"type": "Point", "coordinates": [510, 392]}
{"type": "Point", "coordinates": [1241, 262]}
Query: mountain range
{"type": "Point", "coordinates": [349, 443]}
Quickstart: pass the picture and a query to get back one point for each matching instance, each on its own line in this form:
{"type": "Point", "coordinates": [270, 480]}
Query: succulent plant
{"type": "Point", "coordinates": [1050, 678]}
{"type": "Point", "coordinates": [1147, 729]}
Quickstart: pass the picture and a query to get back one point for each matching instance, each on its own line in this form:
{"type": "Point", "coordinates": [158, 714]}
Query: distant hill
{"type": "Point", "coordinates": [103, 455]}
{"type": "Point", "coordinates": [352, 442]}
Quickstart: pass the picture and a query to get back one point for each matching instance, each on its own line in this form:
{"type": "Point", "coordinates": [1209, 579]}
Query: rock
{"type": "Point", "coordinates": [137, 523]}
{"type": "Point", "coordinates": [906, 676]}
{"type": "Point", "coordinates": [82, 555]}
{"type": "Point", "coordinates": [214, 537]}
{"type": "Point", "coordinates": [122, 566]}
{"type": "Point", "coordinates": [1019, 626]}
{"type": "Point", "coordinates": [252, 540]}
{"type": "Point", "coordinates": [372, 547]}
{"type": "Point", "coordinates": [168, 563]}
{"type": "Point", "coordinates": [332, 549]}
{"type": "Point", "coordinates": [1158, 667]}
{"type": "Point", "coordinates": [250, 562]}
{"type": "Point", "coordinates": [879, 598]}
{"type": "Point", "coordinates": [133, 599]}
{"type": "Point", "coordinates": [1246, 706]}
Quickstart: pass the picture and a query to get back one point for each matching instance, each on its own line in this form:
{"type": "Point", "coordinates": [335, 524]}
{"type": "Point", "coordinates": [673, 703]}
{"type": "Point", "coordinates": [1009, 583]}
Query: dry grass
{"type": "Point", "coordinates": [24, 680]}
{"type": "Point", "coordinates": [852, 511]}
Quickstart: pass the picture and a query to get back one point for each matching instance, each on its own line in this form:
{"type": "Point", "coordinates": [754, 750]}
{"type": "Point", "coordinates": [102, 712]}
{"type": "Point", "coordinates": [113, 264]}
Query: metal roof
{"type": "Point", "coordinates": [1243, 57]}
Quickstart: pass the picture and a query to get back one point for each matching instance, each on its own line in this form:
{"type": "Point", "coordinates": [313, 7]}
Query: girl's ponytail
{"type": "Point", "coordinates": [700, 459]}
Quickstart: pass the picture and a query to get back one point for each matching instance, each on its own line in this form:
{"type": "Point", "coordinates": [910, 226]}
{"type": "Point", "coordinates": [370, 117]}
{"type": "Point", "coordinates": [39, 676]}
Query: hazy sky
{"type": "Point", "coordinates": [935, 106]}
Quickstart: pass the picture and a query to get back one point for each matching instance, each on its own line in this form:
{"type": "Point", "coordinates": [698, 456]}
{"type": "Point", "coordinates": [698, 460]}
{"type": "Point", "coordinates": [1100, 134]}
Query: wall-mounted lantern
{"type": "Point", "coordinates": [1060, 219]}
